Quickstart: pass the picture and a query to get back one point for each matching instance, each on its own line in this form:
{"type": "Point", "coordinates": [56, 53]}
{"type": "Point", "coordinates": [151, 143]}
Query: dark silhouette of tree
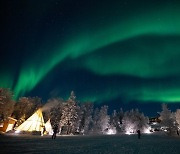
{"type": "Point", "coordinates": [6, 103]}
{"type": "Point", "coordinates": [25, 107]}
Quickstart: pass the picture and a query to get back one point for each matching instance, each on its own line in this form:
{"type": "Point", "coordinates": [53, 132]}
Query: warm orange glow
{"type": "Point", "coordinates": [33, 123]}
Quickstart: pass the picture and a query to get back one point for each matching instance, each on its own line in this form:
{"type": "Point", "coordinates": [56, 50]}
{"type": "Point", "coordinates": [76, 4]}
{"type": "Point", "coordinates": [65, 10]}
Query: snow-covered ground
{"type": "Point", "coordinates": [120, 144]}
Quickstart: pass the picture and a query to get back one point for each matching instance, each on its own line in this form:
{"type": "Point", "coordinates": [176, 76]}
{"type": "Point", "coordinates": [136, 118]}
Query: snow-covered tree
{"type": "Point", "coordinates": [128, 123]}
{"type": "Point", "coordinates": [86, 117]}
{"type": "Point", "coordinates": [115, 122]}
{"type": "Point", "coordinates": [6, 103]}
{"type": "Point", "coordinates": [121, 115]}
{"type": "Point", "coordinates": [168, 120]}
{"type": "Point", "coordinates": [114, 119]}
{"type": "Point", "coordinates": [70, 120]}
{"type": "Point", "coordinates": [177, 115]}
{"type": "Point", "coordinates": [101, 120]}
{"type": "Point", "coordinates": [134, 120]}
{"type": "Point", "coordinates": [118, 120]}
{"type": "Point", "coordinates": [94, 127]}
{"type": "Point", "coordinates": [104, 118]}
{"type": "Point", "coordinates": [53, 109]}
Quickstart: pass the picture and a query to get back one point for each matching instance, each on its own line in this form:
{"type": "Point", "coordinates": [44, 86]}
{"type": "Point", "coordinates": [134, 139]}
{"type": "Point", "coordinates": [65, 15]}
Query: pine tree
{"type": "Point", "coordinates": [114, 119]}
{"type": "Point", "coordinates": [128, 122]}
{"type": "Point", "coordinates": [86, 117]}
{"type": "Point", "coordinates": [121, 115]}
{"type": "Point", "coordinates": [102, 120]}
{"type": "Point", "coordinates": [119, 121]}
{"type": "Point", "coordinates": [114, 122]}
{"type": "Point", "coordinates": [55, 111]}
{"type": "Point", "coordinates": [168, 120]}
{"type": "Point", "coordinates": [95, 128]}
{"type": "Point", "coordinates": [70, 118]}
{"type": "Point", "coordinates": [177, 115]}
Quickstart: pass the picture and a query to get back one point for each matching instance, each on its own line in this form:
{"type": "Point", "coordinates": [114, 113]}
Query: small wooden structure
{"type": "Point", "coordinates": [8, 124]}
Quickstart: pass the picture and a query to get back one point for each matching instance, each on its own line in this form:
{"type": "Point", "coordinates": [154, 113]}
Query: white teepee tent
{"type": "Point", "coordinates": [33, 123]}
{"type": "Point", "coordinates": [48, 127]}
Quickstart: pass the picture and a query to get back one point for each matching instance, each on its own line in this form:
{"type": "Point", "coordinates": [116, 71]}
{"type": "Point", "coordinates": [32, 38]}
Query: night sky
{"type": "Point", "coordinates": [124, 53]}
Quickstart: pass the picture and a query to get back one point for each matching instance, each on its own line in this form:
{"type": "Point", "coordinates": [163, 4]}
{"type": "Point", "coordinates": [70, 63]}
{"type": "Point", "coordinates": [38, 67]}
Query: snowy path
{"type": "Point", "coordinates": [123, 144]}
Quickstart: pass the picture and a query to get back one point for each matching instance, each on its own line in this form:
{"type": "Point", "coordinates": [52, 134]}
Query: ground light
{"type": "Point", "coordinates": [17, 131]}
{"type": "Point", "coordinates": [111, 132]}
{"type": "Point", "coordinates": [147, 131]}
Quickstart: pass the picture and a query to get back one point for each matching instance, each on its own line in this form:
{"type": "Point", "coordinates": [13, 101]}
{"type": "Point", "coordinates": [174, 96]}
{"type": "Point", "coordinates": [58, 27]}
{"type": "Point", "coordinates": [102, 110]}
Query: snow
{"type": "Point", "coordinates": [107, 144]}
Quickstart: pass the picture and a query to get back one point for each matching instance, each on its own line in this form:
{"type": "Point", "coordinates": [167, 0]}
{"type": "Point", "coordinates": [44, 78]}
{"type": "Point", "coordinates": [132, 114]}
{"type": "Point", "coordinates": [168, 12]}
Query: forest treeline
{"type": "Point", "coordinates": [73, 117]}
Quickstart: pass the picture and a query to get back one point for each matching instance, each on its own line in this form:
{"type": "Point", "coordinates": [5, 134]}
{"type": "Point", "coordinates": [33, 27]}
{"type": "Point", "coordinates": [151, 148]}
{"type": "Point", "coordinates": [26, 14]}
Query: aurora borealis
{"type": "Point", "coordinates": [112, 50]}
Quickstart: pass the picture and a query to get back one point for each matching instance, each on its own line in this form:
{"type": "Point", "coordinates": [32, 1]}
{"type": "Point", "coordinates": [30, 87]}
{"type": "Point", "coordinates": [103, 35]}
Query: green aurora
{"type": "Point", "coordinates": [143, 45]}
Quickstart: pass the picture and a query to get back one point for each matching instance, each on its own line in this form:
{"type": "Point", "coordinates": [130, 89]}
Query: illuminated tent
{"type": "Point", "coordinates": [33, 123]}
{"type": "Point", "coordinates": [48, 127]}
